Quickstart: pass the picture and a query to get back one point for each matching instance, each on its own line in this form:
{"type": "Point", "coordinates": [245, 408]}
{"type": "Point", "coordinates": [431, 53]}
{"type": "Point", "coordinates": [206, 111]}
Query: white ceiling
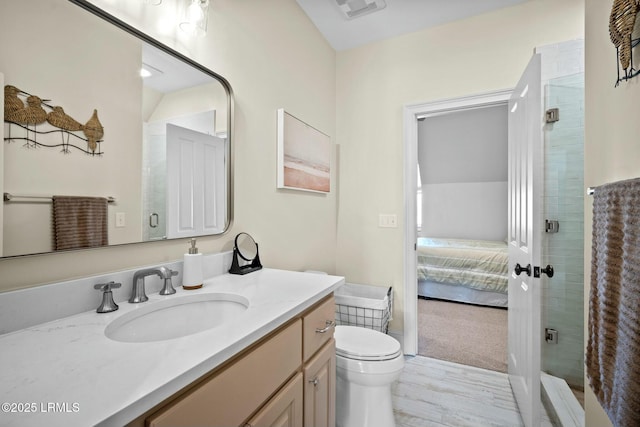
{"type": "Point", "coordinates": [398, 17]}
{"type": "Point", "coordinates": [169, 73]}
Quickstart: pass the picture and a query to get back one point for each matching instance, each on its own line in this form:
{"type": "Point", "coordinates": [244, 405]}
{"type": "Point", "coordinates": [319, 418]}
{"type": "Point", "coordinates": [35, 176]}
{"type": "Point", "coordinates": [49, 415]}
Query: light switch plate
{"type": "Point", "coordinates": [120, 219]}
{"type": "Point", "coordinates": [388, 220]}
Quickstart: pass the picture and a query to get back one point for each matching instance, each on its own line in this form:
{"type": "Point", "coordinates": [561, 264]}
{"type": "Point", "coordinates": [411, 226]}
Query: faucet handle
{"type": "Point", "coordinates": [106, 287]}
{"type": "Point", "coordinates": [168, 288]}
{"type": "Point", "coordinates": [108, 304]}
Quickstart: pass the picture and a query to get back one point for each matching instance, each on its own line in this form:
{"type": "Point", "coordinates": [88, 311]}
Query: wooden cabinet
{"type": "Point", "coordinates": [284, 409]}
{"type": "Point", "coordinates": [317, 327]}
{"type": "Point", "coordinates": [286, 379]}
{"type": "Point", "coordinates": [319, 352]}
{"type": "Point", "coordinates": [320, 388]}
{"type": "Point", "coordinates": [233, 394]}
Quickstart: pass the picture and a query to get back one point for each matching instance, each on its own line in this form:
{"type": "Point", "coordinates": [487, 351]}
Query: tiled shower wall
{"type": "Point", "coordinates": [562, 295]}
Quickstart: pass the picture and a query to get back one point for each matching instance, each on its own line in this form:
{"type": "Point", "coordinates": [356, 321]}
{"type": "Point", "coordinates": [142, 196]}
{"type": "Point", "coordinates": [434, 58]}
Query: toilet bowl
{"type": "Point", "coordinates": [367, 363]}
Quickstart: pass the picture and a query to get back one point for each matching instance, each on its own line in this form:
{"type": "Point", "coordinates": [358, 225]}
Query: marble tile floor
{"type": "Point", "coordinates": [434, 392]}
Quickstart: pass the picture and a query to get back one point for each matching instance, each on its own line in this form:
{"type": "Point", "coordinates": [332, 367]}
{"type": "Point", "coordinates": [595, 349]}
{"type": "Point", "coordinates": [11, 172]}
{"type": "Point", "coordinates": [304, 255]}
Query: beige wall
{"type": "Point", "coordinates": [274, 57]}
{"type": "Point", "coordinates": [611, 137]}
{"type": "Point", "coordinates": [485, 53]}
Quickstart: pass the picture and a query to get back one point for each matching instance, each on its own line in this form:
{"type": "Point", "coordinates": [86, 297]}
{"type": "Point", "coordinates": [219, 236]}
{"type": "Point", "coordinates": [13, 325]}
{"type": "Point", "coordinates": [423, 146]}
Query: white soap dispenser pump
{"type": "Point", "coordinates": [192, 268]}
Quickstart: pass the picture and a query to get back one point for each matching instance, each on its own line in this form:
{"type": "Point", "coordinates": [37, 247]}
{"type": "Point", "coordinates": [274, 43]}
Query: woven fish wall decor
{"type": "Point", "coordinates": [28, 111]}
{"type": "Point", "coordinates": [621, 25]}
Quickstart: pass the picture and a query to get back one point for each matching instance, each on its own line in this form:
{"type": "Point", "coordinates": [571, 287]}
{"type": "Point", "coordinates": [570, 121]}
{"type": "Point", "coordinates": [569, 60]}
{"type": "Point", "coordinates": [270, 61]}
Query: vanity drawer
{"type": "Point", "coordinates": [232, 395]}
{"type": "Point", "coordinates": [318, 326]}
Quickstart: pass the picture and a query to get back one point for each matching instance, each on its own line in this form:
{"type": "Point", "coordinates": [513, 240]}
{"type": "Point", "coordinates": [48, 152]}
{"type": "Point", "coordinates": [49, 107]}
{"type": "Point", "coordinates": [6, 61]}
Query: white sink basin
{"type": "Point", "coordinates": [176, 317]}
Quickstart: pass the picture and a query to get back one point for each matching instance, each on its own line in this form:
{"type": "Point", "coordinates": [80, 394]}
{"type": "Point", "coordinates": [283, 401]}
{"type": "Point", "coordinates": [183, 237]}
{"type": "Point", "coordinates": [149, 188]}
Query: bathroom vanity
{"type": "Point", "coordinates": [272, 363]}
{"type": "Point", "coordinates": [291, 369]}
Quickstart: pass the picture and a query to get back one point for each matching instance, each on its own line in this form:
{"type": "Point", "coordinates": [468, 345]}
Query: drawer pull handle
{"type": "Point", "coordinates": [314, 381]}
{"type": "Point", "coordinates": [327, 327]}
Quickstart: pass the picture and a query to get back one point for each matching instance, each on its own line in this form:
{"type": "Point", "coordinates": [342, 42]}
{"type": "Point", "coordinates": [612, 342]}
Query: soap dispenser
{"type": "Point", "coordinates": [192, 268]}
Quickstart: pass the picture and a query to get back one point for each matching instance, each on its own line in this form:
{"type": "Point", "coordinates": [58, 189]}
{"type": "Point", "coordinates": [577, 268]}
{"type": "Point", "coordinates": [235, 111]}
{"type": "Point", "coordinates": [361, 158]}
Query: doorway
{"type": "Point", "coordinates": [412, 115]}
{"type": "Point", "coordinates": [462, 257]}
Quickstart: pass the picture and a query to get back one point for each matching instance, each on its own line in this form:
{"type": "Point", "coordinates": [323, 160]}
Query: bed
{"type": "Point", "coordinates": [471, 271]}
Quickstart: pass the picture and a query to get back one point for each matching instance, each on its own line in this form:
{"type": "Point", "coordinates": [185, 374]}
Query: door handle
{"type": "Point", "coordinates": [518, 269]}
{"type": "Point", "coordinates": [548, 270]}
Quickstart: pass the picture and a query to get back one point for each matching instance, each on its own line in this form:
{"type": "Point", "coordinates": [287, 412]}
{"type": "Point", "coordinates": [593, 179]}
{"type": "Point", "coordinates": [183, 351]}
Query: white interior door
{"type": "Point", "coordinates": [525, 167]}
{"type": "Point", "coordinates": [195, 183]}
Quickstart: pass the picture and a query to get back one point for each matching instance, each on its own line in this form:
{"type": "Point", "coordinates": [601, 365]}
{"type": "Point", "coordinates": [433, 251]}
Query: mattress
{"type": "Point", "coordinates": [479, 264]}
{"type": "Point", "coordinates": [450, 292]}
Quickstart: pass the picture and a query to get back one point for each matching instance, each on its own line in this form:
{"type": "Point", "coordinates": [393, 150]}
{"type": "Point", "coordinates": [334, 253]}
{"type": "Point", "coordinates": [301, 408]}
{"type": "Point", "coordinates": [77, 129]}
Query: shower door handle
{"type": "Point", "coordinates": [519, 269]}
{"type": "Point", "coordinates": [154, 219]}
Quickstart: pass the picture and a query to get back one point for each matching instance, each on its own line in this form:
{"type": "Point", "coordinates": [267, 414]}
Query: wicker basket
{"type": "Point", "coordinates": [365, 306]}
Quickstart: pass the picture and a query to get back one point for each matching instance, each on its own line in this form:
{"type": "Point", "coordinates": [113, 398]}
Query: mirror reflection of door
{"type": "Point", "coordinates": [154, 169]}
{"type": "Point", "coordinates": [195, 183]}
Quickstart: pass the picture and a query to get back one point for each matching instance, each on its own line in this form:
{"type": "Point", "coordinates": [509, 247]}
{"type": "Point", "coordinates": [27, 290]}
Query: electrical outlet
{"type": "Point", "coordinates": [120, 219]}
{"type": "Point", "coordinates": [388, 220]}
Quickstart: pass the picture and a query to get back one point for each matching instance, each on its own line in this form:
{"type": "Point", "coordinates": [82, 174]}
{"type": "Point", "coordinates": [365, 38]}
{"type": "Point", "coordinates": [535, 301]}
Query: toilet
{"type": "Point", "coordinates": [367, 363]}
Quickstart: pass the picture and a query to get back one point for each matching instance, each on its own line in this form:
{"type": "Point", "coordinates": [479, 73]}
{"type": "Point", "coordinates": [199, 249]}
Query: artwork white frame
{"type": "Point", "coordinates": [304, 155]}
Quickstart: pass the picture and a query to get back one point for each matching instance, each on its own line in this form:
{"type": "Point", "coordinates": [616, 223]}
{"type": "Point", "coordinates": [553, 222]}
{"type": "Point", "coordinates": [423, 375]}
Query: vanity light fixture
{"type": "Point", "coordinates": [194, 17]}
{"type": "Point", "coordinates": [152, 2]}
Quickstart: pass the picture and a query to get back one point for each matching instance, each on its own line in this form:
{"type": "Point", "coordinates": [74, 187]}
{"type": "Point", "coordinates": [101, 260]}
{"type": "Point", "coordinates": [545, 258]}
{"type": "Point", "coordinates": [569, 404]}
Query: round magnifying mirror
{"type": "Point", "coordinates": [247, 247]}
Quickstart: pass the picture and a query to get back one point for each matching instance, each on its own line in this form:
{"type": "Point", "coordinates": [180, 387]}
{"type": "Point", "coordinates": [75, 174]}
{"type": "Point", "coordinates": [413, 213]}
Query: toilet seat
{"type": "Point", "coordinates": [364, 344]}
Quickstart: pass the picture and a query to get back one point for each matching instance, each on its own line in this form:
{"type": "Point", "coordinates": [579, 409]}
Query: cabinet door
{"type": "Point", "coordinates": [320, 388]}
{"type": "Point", "coordinates": [284, 409]}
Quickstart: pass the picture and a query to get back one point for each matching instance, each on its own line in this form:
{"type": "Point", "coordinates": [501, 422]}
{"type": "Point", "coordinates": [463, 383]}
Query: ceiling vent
{"type": "Point", "coordinates": [356, 8]}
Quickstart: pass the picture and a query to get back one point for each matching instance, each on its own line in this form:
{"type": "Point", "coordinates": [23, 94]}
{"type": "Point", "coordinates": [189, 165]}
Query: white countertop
{"type": "Point", "coordinates": [68, 373]}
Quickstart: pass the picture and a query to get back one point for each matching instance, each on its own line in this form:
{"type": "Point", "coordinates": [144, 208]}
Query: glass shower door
{"type": "Point", "coordinates": [563, 242]}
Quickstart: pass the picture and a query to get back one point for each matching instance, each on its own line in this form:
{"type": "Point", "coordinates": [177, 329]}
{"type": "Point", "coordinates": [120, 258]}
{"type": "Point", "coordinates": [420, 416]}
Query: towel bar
{"type": "Point", "coordinates": [8, 197]}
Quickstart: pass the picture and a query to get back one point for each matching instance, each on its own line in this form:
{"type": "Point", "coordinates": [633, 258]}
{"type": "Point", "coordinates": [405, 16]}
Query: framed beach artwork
{"type": "Point", "coordinates": [304, 155]}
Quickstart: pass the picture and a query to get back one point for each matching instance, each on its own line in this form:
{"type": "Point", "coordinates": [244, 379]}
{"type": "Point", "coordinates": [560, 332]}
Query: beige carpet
{"type": "Point", "coordinates": [463, 333]}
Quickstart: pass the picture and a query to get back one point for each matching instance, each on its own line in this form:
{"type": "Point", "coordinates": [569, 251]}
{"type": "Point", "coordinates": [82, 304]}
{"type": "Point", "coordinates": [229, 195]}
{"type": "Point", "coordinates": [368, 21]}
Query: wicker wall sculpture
{"type": "Point", "coordinates": [33, 113]}
{"type": "Point", "coordinates": [621, 24]}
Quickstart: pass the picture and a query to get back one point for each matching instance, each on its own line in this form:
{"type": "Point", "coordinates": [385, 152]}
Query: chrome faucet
{"type": "Point", "coordinates": [138, 293]}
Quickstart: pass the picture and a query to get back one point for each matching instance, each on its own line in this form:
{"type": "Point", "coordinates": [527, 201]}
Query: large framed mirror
{"type": "Point", "coordinates": [163, 159]}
